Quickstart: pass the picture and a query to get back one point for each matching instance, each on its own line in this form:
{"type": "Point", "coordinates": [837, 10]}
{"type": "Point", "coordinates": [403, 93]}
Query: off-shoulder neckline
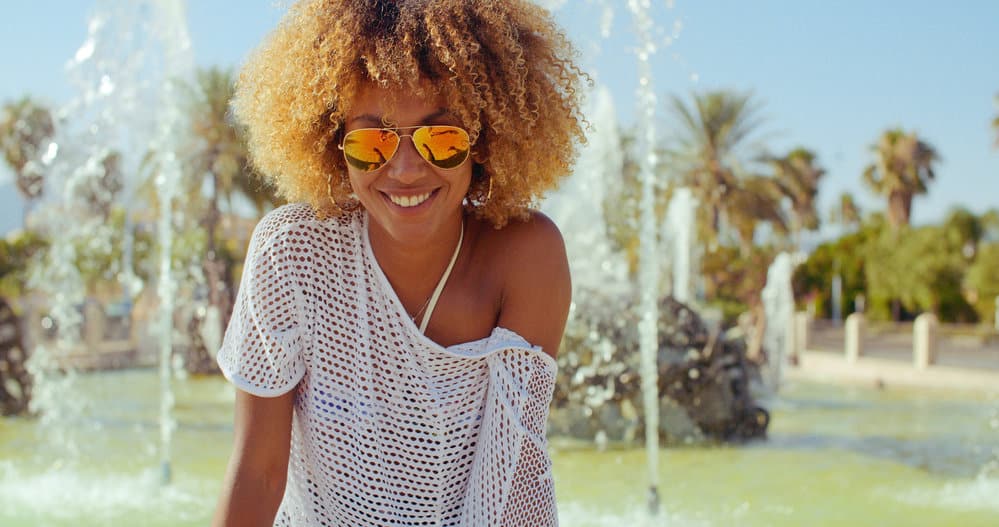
{"type": "Point", "coordinates": [499, 338]}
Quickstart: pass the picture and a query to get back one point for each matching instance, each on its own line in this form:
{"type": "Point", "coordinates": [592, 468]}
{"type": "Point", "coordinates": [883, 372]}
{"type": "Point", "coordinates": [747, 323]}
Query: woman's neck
{"type": "Point", "coordinates": [414, 266]}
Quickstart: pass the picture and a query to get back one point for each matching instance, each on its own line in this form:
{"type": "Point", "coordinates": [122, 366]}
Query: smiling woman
{"type": "Point", "coordinates": [395, 333]}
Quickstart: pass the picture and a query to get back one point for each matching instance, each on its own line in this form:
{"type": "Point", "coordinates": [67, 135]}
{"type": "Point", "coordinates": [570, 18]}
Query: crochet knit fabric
{"type": "Point", "coordinates": [389, 428]}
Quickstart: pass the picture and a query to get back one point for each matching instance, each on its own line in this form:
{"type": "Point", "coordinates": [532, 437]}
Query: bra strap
{"type": "Point", "coordinates": [440, 285]}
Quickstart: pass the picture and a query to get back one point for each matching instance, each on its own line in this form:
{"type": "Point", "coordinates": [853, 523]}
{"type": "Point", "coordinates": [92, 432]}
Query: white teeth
{"type": "Point", "coordinates": [409, 201]}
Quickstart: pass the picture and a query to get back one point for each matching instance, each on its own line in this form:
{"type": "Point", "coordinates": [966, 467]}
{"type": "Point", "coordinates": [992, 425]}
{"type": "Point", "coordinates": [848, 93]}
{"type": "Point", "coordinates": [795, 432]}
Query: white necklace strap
{"type": "Point", "coordinates": [440, 284]}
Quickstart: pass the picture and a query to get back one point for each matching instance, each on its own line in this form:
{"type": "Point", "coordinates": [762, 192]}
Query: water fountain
{"type": "Point", "coordinates": [648, 260]}
{"type": "Point", "coordinates": [578, 205]}
{"type": "Point", "coordinates": [105, 143]}
{"type": "Point", "coordinates": [679, 245]}
{"type": "Point", "coordinates": [778, 303]}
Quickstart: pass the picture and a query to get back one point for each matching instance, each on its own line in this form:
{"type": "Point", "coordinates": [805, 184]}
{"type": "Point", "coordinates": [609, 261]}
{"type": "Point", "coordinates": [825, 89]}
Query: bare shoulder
{"type": "Point", "coordinates": [537, 288]}
{"type": "Point", "coordinates": [534, 238]}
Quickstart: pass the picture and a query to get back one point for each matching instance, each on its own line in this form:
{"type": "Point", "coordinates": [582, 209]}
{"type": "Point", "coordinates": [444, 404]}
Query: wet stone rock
{"type": "Point", "coordinates": [15, 382]}
{"type": "Point", "coordinates": [704, 377]}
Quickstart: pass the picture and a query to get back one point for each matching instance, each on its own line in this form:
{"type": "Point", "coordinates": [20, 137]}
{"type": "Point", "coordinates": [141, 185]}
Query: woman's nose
{"type": "Point", "coordinates": [407, 166]}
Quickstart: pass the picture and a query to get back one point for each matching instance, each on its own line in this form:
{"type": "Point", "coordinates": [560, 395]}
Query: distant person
{"type": "Point", "coordinates": [394, 338]}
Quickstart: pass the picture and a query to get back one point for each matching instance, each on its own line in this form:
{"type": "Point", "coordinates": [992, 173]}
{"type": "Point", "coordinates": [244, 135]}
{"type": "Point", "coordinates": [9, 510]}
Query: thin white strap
{"type": "Point", "coordinates": [440, 285]}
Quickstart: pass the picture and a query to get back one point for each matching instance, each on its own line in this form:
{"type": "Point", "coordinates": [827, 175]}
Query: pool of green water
{"type": "Point", "coordinates": [834, 456]}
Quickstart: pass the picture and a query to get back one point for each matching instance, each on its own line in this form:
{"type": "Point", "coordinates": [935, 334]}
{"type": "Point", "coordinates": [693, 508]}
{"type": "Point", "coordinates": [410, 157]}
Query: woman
{"type": "Point", "coordinates": [395, 333]}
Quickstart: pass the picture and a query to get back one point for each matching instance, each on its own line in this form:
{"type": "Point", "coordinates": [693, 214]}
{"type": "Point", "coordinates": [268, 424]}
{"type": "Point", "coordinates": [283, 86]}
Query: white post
{"type": "Point", "coordinates": [837, 299]}
{"type": "Point", "coordinates": [854, 336]}
{"type": "Point", "coordinates": [93, 324]}
{"type": "Point", "coordinates": [996, 321]}
{"type": "Point", "coordinates": [924, 341]}
{"type": "Point", "coordinates": [801, 323]}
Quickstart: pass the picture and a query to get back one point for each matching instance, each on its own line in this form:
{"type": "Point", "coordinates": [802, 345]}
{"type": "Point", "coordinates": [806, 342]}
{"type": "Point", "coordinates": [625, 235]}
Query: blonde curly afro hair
{"type": "Point", "coordinates": [505, 68]}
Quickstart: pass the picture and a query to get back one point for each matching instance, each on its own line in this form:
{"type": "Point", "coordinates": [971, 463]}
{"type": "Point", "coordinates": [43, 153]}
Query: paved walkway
{"type": "Point", "coordinates": [963, 361]}
{"type": "Point", "coordinates": [954, 346]}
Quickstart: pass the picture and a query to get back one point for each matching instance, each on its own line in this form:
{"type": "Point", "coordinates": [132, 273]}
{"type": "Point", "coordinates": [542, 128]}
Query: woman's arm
{"type": "Point", "coordinates": [535, 305]}
{"type": "Point", "coordinates": [255, 480]}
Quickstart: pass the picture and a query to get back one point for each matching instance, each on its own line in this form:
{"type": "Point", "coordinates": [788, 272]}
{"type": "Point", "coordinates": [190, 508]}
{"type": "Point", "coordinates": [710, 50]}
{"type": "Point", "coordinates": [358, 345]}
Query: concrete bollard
{"type": "Point", "coordinates": [855, 327]}
{"type": "Point", "coordinates": [924, 340]}
{"type": "Point", "coordinates": [801, 324]}
{"type": "Point", "coordinates": [93, 324]}
{"type": "Point", "coordinates": [996, 315]}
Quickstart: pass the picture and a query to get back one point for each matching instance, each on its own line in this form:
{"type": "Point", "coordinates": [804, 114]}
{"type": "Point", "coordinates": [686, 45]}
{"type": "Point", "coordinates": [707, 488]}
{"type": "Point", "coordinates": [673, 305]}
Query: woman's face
{"type": "Point", "coordinates": [408, 198]}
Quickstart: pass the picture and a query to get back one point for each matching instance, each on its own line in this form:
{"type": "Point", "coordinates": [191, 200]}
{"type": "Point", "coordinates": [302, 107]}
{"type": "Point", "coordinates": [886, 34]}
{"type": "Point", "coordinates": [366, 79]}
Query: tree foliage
{"type": "Point", "coordinates": [217, 146]}
{"type": "Point", "coordinates": [25, 129]}
{"type": "Point", "coordinates": [844, 257]}
{"type": "Point", "coordinates": [918, 270]}
{"type": "Point", "coordinates": [903, 167]}
{"type": "Point", "coordinates": [943, 269]}
{"type": "Point", "coordinates": [982, 281]}
{"type": "Point", "coordinates": [17, 256]}
{"type": "Point", "coordinates": [710, 153]}
{"type": "Point", "coordinates": [797, 175]}
{"type": "Point", "coordinates": [733, 281]}
{"type": "Point", "coordinates": [845, 211]}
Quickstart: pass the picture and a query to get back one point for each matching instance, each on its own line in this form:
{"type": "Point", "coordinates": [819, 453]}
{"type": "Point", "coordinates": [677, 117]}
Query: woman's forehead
{"type": "Point", "coordinates": [397, 105]}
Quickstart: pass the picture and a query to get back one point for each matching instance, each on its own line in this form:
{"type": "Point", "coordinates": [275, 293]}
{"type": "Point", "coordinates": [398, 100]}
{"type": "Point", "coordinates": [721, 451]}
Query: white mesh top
{"type": "Point", "coordinates": [389, 428]}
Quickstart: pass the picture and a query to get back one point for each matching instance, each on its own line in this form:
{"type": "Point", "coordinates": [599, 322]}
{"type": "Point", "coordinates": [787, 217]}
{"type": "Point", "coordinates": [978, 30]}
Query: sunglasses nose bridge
{"type": "Point", "coordinates": [406, 165]}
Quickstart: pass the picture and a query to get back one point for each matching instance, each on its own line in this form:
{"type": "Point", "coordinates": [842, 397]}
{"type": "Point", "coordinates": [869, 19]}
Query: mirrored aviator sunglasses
{"type": "Point", "coordinates": [368, 149]}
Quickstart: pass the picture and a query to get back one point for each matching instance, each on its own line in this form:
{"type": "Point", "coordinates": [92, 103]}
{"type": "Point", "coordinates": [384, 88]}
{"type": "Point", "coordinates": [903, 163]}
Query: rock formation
{"type": "Point", "coordinates": [15, 382]}
{"type": "Point", "coordinates": [704, 377]}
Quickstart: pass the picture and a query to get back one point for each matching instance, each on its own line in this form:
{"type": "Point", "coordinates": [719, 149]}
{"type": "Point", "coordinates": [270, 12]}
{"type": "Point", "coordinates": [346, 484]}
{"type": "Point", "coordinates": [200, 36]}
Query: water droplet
{"type": "Point", "coordinates": [85, 52]}
{"type": "Point", "coordinates": [107, 86]}
{"type": "Point", "coordinates": [50, 153]}
{"type": "Point", "coordinates": [606, 21]}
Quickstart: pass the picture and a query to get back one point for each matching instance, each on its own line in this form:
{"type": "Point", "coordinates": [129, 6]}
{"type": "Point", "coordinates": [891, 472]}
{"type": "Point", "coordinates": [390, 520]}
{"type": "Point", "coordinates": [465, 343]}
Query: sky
{"type": "Point", "coordinates": [830, 76]}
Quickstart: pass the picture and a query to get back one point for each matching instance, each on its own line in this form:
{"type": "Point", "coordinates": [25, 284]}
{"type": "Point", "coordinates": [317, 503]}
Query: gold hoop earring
{"type": "Point", "coordinates": [351, 207]}
{"type": "Point", "coordinates": [474, 198]}
{"type": "Point", "coordinates": [489, 191]}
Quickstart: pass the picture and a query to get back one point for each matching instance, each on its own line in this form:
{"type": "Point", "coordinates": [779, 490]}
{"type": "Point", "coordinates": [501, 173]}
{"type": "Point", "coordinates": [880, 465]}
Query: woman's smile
{"type": "Point", "coordinates": [411, 201]}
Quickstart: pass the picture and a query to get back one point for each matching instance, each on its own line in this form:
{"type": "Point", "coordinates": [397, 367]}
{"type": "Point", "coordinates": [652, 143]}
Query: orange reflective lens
{"type": "Point", "coordinates": [369, 149]}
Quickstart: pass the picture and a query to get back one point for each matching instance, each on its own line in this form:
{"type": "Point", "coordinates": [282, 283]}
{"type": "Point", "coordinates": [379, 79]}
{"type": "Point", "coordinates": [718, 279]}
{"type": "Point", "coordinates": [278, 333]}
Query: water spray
{"type": "Point", "coordinates": [648, 278]}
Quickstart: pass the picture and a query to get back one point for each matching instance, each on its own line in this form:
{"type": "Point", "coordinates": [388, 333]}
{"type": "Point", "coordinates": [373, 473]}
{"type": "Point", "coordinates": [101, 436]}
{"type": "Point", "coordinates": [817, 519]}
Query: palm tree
{"type": "Point", "coordinates": [218, 150]}
{"type": "Point", "coordinates": [797, 177]}
{"type": "Point", "coordinates": [756, 200]}
{"type": "Point", "coordinates": [25, 128]}
{"type": "Point", "coordinates": [903, 168]}
{"type": "Point", "coordinates": [708, 151]}
{"type": "Point", "coordinates": [846, 212]}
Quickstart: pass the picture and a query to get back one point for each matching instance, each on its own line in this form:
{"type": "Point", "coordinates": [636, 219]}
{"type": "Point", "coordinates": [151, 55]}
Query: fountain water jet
{"type": "Point", "coordinates": [778, 303]}
{"type": "Point", "coordinates": [132, 60]}
{"type": "Point", "coordinates": [577, 207]}
{"type": "Point", "coordinates": [178, 64]}
{"type": "Point", "coordinates": [679, 247]}
{"type": "Point", "coordinates": [648, 261]}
